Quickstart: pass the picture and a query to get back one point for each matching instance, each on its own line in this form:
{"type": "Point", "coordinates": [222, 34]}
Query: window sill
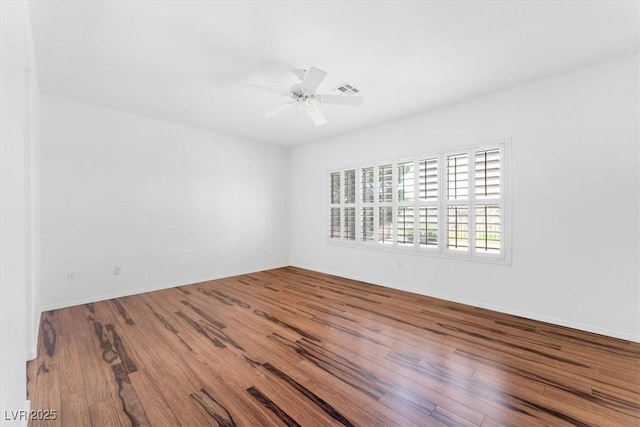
{"type": "Point", "coordinates": [410, 250]}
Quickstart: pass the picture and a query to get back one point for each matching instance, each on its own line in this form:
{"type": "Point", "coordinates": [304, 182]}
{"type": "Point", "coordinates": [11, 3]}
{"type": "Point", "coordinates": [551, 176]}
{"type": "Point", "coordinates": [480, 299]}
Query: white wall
{"type": "Point", "coordinates": [575, 200]}
{"type": "Point", "coordinates": [19, 295]}
{"type": "Point", "coordinates": [32, 184]}
{"type": "Point", "coordinates": [167, 203]}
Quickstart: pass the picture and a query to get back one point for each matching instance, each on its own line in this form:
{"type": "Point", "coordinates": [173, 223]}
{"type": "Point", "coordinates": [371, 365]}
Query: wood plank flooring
{"type": "Point", "coordinates": [294, 347]}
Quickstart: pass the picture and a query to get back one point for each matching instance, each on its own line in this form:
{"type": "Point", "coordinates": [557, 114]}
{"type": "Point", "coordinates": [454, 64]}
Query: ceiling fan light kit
{"type": "Point", "coordinates": [304, 94]}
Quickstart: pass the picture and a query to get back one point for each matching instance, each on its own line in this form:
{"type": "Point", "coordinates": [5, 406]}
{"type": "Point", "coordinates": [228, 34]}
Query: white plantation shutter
{"type": "Point", "coordinates": [457, 232]}
{"type": "Point", "coordinates": [385, 225]}
{"type": "Point", "coordinates": [428, 181]}
{"type": "Point", "coordinates": [348, 204]}
{"type": "Point", "coordinates": [458, 227]}
{"type": "Point", "coordinates": [367, 224]}
{"type": "Point", "coordinates": [334, 223]}
{"type": "Point", "coordinates": [405, 182]}
{"type": "Point", "coordinates": [385, 207]}
{"type": "Point", "coordinates": [487, 174]}
{"type": "Point", "coordinates": [405, 212]}
{"type": "Point", "coordinates": [428, 226]}
{"type": "Point", "coordinates": [385, 183]}
{"type": "Point", "coordinates": [405, 225]}
{"type": "Point", "coordinates": [335, 188]}
{"type": "Point", "coordinates": [334, 210]}
{"type": "Point", "coordinates": [450, 204]}
{"type": "Point", "coordinates": [488, 209]}
{"type": "Point", "coordinates": [367, 203]}
{"type": "Point", "coordinates": [350, 186]}
{"type": "Point", "coordinates": [488, 229]}
{"type": "Point", "coordinates": [367, 189]}
{"type": "Point", "coordinates": [350, 223]}
{"type": "Point", "coordinates": [457, 177]}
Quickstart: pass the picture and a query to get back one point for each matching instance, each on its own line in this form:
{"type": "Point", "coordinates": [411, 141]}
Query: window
{"type": "Point", "coordinates": [448, 204]}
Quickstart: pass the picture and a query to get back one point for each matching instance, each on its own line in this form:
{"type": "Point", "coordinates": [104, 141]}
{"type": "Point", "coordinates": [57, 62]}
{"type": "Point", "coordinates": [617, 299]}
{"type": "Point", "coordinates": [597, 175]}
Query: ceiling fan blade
{"type": "Point", "coordinates": [279, 109]}
{"type": "Point", "coordinates": [312, 80]}
{"type": "Point", "coordinates": [315, 115]}
{"type": "Point", "coordinates": [355, 101]}
{"type": "Point", "coordinates": [268, 89]}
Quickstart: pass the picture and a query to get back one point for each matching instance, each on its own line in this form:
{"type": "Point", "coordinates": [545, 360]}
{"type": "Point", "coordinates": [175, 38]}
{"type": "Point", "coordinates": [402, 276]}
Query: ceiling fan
{"type": "Point", "coordinates": [304, 94]}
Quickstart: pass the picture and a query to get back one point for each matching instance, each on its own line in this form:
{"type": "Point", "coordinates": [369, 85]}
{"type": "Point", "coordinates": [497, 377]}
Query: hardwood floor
{"type": "Point", "coordinates": [294, 347]}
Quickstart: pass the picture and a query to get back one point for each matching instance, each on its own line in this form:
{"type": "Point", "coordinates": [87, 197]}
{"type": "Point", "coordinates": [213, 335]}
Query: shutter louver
{"type": "Point", "coordinates": [428, 226]}
{"type": "Point", "coordinates": [487, 174]}
{"type": "Point", "coordinates": [385, 183]}
{"type": "Point", "coordinates": [350, 223]}
{"type": "Point", "coordinates": [335, 223]}
{"type": "Point", "coordinates": [488, 228]}
{"type": "Point", "coordinates": [367, 189]}
{"type": "Point", "coordinates": [367, 224]}
{"type": "Point", "coordinates": [457, 177]}
{"type": "Point", "coordinates": [405, 182]}
{"type": "Point", "coordinates": [335, 188]}
{"type": "Point", "coordinates": [405, 225]}
{"type": "Point", "coordinates": [350, 186]}
{"type": "Point", "coordinates": [458, 227]}
{"type": "Point", "coordinates": [385, 224]}
{"type": "Point", "coordinates": [428, 181]}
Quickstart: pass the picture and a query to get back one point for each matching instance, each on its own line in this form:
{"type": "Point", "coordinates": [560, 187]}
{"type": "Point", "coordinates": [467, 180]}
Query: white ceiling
{"type": "Point", "coordinates": [193, 62]}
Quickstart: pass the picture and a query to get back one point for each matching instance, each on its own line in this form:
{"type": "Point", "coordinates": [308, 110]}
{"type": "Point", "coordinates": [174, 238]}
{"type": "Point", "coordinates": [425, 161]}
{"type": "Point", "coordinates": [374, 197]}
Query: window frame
{"type": "Point", "coordinates": [441, 203]}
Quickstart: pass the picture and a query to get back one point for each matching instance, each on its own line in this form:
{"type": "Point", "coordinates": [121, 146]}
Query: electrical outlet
{"type": "Point", "coordinates": [70, 276]}
{"type": "Point", "coordinates": [117, 270]}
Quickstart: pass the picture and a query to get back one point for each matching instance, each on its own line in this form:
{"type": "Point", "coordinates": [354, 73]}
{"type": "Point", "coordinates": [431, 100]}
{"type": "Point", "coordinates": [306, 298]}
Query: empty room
{"type": "Point", "coordinates": [312, 213]}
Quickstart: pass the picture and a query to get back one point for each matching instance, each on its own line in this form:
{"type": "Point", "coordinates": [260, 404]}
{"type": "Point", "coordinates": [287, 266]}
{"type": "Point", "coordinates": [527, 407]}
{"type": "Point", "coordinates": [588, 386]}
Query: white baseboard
{"type": "Point", "coordinates": [533, 316]}
{"type": "Point", "coordinates": [137, 291]}
{"type": "Point", "coordinates": [506, 310]}
{"type": "Point", "coordinates": [33, 353]}
{"type": "Point", "coordinates": [543, 318]}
